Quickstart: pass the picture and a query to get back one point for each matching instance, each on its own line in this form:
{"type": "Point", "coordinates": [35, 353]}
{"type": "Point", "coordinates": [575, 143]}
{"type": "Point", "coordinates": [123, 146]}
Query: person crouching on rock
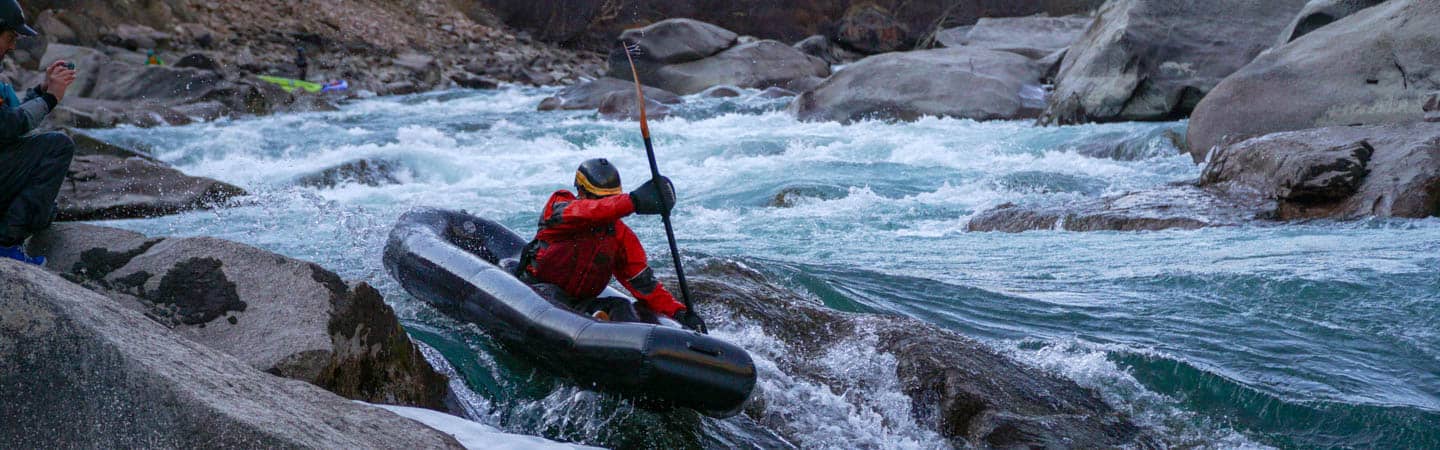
{"type": "Point", "coordinates": [31, 167]}
{"type": "Point", "coordinates": [582, 243]}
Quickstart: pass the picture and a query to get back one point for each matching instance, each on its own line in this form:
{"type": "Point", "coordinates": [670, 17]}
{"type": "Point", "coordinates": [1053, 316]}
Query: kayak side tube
{"type": "Point", "coordinates": [450, 259]}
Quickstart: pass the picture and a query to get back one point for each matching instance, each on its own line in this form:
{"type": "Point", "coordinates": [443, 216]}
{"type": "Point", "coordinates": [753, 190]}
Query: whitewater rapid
{"type": "Point", "coordinates": [1296, 335]}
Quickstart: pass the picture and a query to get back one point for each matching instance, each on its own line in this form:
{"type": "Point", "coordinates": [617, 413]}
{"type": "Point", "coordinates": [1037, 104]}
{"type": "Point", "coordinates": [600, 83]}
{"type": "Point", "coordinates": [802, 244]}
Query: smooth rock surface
{"type": "Point", "coordinates": [962, 83]}
{"type": "Point", "coordinates": [1336, 172]}
{"type": "Point", "coordinates": [1032, 37]}
{"type": "Point", "coordinates": [591, 94]}
{"type": "Point", "coordinates": [283, 316]}
{"type": "Point", "coordinates": [674, 41]}
{"type": "Point", "coordinates": [1374, 67]}
{"type": "Point", "coordinates": [77, 370]}
{"type": "Point", "coordinates": [623, 106]}
{"type": "Point", "coordinates": [1155, 60]}
{"type": "Point", "coordinates": [368, 172]}
{"type": "Point", "coordinates": [1319, 13]}
{"type": "Point", "coordinates": [755, 65]}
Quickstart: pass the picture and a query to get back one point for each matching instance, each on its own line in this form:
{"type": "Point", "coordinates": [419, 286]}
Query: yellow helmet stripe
{"type": "Point", "coordinates": [585, 184]}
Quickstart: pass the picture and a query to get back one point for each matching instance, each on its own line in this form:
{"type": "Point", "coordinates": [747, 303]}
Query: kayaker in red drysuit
{"type": "Point", "coordinates": [582, 243]}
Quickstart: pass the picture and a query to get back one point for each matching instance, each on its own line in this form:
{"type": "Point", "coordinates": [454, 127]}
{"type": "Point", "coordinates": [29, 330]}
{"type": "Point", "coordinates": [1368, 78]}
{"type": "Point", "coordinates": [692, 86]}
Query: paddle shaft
{"type": "Point", "coordinates": [655, 176]}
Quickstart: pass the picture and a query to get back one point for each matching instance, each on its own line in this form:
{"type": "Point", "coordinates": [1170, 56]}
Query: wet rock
{"type": "Point", "coordinates": [1336, 172]}
{"type": "Point", "coordinates": [792, 196]}
{"type": "Point", "coordinates": [1374, 67]}
{"type": "Point", "coordinates": [1156, 59]}
{"type": "Point", "coordinates": [284, 316]}
{"type": "Point", "coordinates": [756, 65]}
{"type": "Point", "coordinates": [1032, 37]}
{"type": "Point", "coordinates": [776, 92]}
{"type": "Point", "coordinates": [721, 92]}
{"type": "Point", "coordinates": [591, 94]}
{"type": "Point", "coordinates": [871, 29]}
{"type": "Point", "coordinates": [368, 172]}
{"type": "Point", "coordinates": [469, 81]}
{"type": "Point", "coordinates": [87, 144]}
{"type": "Point", "coordinates": [961, 83]}
{"type": "Point", "coordinates": [105, 187]}
{"type": "Point", "coordinates": [139, 384]}
{"type": "Point", "coordinates": [821, 47]}
{"type": "Point", "coordinates": [198, 61]}
{"type": "Point", "coordinates": [1432, 108]}
{"type": "Point", "coordinates": [624, 106]}
{"type": "Point", "coordinates": [1172, 207]}
{"type": "Point", "coordinates": [674, 41]}
{"type": "Point", "coordinates": [1319, 13]}
{"type": "Point", "coordinates": [969, 393]}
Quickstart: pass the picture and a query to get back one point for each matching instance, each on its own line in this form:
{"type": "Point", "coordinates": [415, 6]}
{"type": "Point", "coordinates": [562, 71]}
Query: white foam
{"type": "Point", "coordinates": [474, 435]}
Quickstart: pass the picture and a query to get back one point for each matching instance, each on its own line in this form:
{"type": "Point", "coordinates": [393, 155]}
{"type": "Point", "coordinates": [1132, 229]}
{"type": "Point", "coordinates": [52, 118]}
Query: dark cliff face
{"type": "Point", "coordinates": [957, 387]}
{"type": "Point", "coordinates": [587, 23]}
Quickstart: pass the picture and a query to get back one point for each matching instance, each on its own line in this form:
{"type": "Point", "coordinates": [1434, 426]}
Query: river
{"type": "Point", "coordinates": [1301, 335]}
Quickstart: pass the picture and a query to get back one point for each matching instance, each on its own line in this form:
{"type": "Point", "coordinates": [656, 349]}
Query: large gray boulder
{"type": "Point", "coordinates": [758, 65]}
{"type": "Point", "coordinates": [962, 83]}
{"type": "Point", "coordinates": [79, 371]}
{"type": "Point", "coordinates": [103, 187]}
{"type": "Point", "coordinates": [591, 94]}
{"type": "Point", "coordinates": [1375, 66]}
{"type": "Point", "coordinates": [1156, 59]}
{"type": "Point", "coordinates": [1319, 13]}
{"type": "Point", "coordinates": [966, 392]}
{"type": "Point", "coordinates": [674, 41]}
{"type": "Point", "coordinates": [279, 315]}
{"type": "Point", "coordinates": [1337, 172]}
{"type": "Point", "coordinates": [1033, 37]}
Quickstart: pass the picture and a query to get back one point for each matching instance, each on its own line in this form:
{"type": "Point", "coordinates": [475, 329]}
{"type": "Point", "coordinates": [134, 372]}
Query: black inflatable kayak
{"type": "Point", "coordinates": [462, 264]}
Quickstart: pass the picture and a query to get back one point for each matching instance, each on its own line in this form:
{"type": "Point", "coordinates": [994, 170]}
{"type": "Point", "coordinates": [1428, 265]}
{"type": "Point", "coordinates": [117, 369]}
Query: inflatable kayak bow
{"type": "Point", "coordinates": [462, 264]}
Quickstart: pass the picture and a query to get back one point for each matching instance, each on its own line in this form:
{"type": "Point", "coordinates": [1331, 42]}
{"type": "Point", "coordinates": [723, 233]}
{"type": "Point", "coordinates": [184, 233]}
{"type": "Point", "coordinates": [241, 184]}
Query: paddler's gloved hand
{"type": "Point", "coordinates": [653, 198]}
{"type": "Point", "coordinates": [691, 321]}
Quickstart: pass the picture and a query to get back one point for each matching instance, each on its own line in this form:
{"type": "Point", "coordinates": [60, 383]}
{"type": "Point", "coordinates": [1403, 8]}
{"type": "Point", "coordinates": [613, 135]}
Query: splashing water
{"type": "Point", "coordinates": [1303, 335]}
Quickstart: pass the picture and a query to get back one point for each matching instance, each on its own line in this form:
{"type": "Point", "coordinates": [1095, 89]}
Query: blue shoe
{"type": "Point", "coordinates": [18, 253]}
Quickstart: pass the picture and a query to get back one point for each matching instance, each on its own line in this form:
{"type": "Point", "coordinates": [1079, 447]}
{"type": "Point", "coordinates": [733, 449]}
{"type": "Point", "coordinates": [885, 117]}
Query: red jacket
{"type": "Point", "coordinates": [582, 243]}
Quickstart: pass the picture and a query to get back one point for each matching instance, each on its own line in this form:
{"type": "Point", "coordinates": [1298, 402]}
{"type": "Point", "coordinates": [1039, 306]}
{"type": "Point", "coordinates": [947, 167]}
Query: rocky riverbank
{"type": "Point", "coordinates": [213, 52]}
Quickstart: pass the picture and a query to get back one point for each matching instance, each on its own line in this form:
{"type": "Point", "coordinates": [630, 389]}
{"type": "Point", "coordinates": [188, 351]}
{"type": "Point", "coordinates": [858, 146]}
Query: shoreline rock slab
{"type": "Point", "coordinates": [1154, 60]}
{"type": "Point", "coordinates": [1336, 172]}
{"type": "Point", "coordinates": [104, 187]}
{"type": "Point", "coordinates": [960, 83]}
{"type": "Point", "coordinates": [1375, 66]}
{"type": "Point", "coordinates": [78, 370]}
{"type": "Point", "coordinates": [280, 315]}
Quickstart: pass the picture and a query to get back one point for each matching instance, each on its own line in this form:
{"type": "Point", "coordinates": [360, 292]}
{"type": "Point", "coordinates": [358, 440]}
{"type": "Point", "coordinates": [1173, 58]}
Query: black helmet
{"type": "Point", "coordinates": [13, 18]}
{"type": "Point", "coordinates": [597, 177]}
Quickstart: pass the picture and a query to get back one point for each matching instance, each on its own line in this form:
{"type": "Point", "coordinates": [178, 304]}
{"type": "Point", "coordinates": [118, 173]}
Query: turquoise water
{"type": "Point", "coordinates": [1308, 335]}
